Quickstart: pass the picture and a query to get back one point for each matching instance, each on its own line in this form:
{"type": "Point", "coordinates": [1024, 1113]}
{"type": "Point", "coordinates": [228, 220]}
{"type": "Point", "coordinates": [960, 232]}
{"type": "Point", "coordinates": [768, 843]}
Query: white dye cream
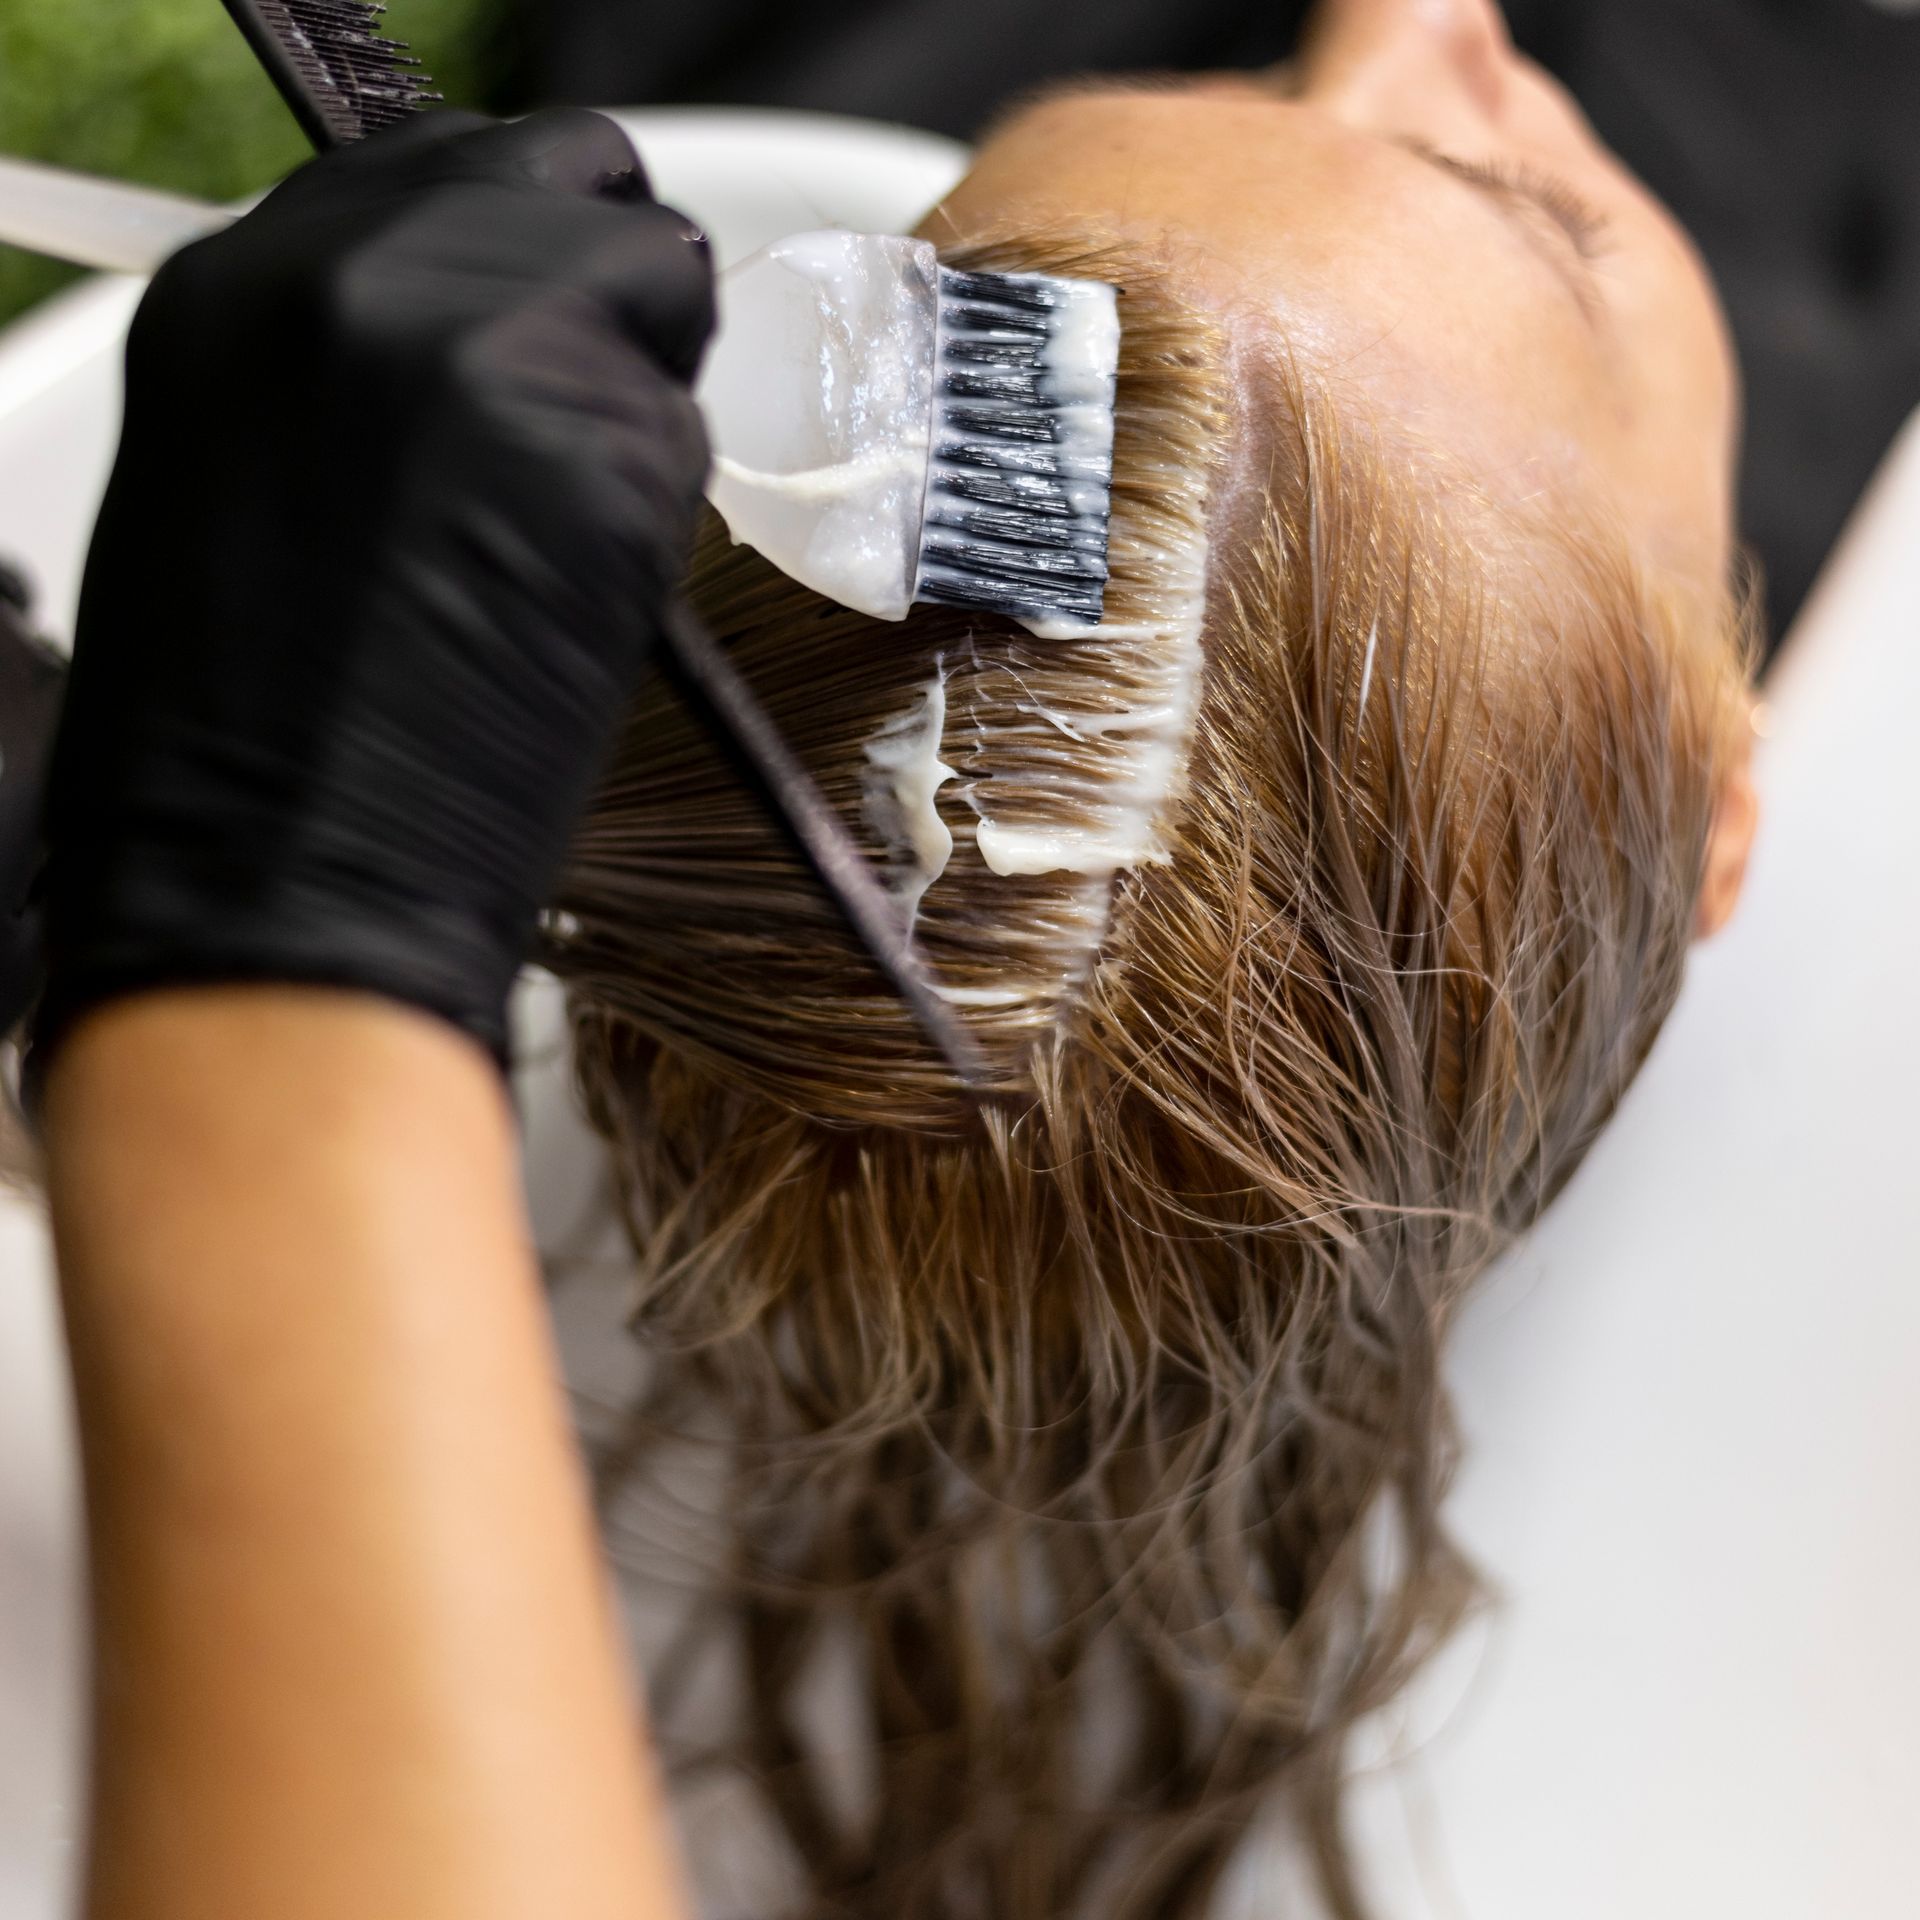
{"type": "Point", "coordinates": [855, 480]}
{"type": "Point", "coordinates": [1082, 352]}
{"type": "Point", "coordinates": [1119, 802]}
{"type": "Point", "coordinates": [983, 996]}
{"type": "Point", "coordinates": [904, 774]}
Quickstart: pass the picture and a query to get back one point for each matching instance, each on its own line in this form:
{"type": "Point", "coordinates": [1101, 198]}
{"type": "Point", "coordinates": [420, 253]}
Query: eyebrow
{"type": "Point", "coordinates": [1507, 198]}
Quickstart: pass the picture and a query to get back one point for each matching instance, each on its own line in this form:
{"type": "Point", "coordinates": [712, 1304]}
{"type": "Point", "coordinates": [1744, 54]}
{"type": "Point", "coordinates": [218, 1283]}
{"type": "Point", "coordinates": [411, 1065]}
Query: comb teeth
{"type": "Point", "coordinates": [357, 80]}
{"type": "Point", "coordinates": [1019, 480]}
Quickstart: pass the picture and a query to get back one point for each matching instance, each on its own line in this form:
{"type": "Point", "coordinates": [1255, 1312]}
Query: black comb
{"type": "Point", "coordinates": [338, 73]}
{"type": "Point", "coordinates": [343, 79]}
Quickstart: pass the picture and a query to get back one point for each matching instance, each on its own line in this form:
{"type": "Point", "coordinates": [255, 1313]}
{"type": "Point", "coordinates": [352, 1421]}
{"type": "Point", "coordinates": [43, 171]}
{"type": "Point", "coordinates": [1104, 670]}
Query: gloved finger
{"type": "Point", "coordinates": [409, 147]}
{"type": "Point", "coordinates": [417, 134]}
{"type": "Point", "coordinates": [654, 274]}
{"type": "Point", "coordinates": [622, 455]}
{"type": "Point", "coordinates": [569, 148]}
{"type": "Point", "coordinates": [644, 268]}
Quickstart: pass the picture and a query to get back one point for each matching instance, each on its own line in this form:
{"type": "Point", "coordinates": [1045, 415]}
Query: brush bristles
{"type": "Point", "coordinates": [1020, 477]}
{"type": "Point", "coordinates": [359, 79]}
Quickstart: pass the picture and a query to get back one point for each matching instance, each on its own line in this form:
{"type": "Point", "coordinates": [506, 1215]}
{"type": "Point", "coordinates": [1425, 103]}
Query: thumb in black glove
{"type": "Point", "coordinates": [408, 473]}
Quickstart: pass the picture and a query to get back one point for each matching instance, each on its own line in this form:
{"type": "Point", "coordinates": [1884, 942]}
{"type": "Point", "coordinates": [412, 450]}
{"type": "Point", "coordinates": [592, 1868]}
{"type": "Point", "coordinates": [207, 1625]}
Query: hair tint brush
{"type": "Point", "coordinates": [888, 430]}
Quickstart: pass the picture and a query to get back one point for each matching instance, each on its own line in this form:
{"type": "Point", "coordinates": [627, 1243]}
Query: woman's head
{"type": "Point", "coordinates": [1103, 1420]}
{"type": "Point", "coordinates": [1421, 217]}
{"type": "Point", "coordinates": [1419, 213]}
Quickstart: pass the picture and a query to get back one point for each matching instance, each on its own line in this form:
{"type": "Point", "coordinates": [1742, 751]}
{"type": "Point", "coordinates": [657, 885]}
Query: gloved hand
{"type": "Point", "coordinates": [408, 474]}
{"type": "Point", "coordinates": [32, 679]}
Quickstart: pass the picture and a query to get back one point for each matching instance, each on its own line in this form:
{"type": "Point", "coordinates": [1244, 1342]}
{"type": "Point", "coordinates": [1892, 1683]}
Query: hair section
{"type": "Point", "coordinates": [1003, 781]}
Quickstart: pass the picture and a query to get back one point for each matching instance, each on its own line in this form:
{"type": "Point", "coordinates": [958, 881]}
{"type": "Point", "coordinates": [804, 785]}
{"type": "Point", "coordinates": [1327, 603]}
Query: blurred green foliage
{"type": "Point", "coordinates": [165, 91]}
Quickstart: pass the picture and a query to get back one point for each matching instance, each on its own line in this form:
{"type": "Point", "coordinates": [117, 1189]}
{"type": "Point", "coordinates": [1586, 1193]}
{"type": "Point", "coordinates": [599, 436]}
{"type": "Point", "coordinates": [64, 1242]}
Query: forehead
{"type": "Point", "coordinates": [1308, 239]}
{"type": "Point", "coordinates": [1361, 262]}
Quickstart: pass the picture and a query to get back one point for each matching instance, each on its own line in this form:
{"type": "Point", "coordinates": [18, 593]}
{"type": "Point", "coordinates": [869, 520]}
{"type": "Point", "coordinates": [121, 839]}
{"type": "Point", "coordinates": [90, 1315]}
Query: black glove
{"type": "Point", "coordinates": [32, 677]}
{"type": "Point", "coordinates": [408, 475]}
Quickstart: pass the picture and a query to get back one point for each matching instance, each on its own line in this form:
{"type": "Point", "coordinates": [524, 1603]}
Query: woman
{"type": "Point", "coordinates": [1065, 1417]}
{"type": "Point", "coordinates": [1316, 910]}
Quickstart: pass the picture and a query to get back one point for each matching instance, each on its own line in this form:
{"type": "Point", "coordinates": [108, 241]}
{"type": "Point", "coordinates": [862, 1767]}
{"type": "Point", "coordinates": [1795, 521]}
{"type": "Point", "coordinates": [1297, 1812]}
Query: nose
{"type": "Point", "coordinates": [1406, 65]}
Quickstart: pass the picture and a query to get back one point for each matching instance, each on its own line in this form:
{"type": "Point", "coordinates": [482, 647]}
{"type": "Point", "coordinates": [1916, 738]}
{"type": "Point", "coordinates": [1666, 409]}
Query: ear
{"type": "Point", "coordinates": [1729, 842]}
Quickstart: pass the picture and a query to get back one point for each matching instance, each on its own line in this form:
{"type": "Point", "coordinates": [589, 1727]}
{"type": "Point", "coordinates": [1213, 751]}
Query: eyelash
{"type": "Point", "coordinates": [1584, 224]}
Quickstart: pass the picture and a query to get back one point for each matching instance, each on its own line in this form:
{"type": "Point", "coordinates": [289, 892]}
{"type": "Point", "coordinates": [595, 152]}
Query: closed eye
{"type": "Point", "coordinates": [1584, 224]}
{"type": "Point", "coordinates": [1527, 190]}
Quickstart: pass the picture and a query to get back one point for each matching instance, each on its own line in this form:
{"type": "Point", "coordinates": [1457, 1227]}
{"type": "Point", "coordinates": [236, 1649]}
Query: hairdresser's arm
{"type": "Point", "coordinates": [353, 1648]}
{"type": "Point", "coordinates": [408, 473]}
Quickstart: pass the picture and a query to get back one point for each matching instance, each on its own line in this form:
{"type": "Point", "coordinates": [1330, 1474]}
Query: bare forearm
{"type": "Point", "coordinates": [353, 1652]}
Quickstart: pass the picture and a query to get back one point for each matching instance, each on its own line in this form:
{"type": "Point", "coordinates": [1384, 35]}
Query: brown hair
{"type": "Point", "coordinates": [1102, 1423]}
